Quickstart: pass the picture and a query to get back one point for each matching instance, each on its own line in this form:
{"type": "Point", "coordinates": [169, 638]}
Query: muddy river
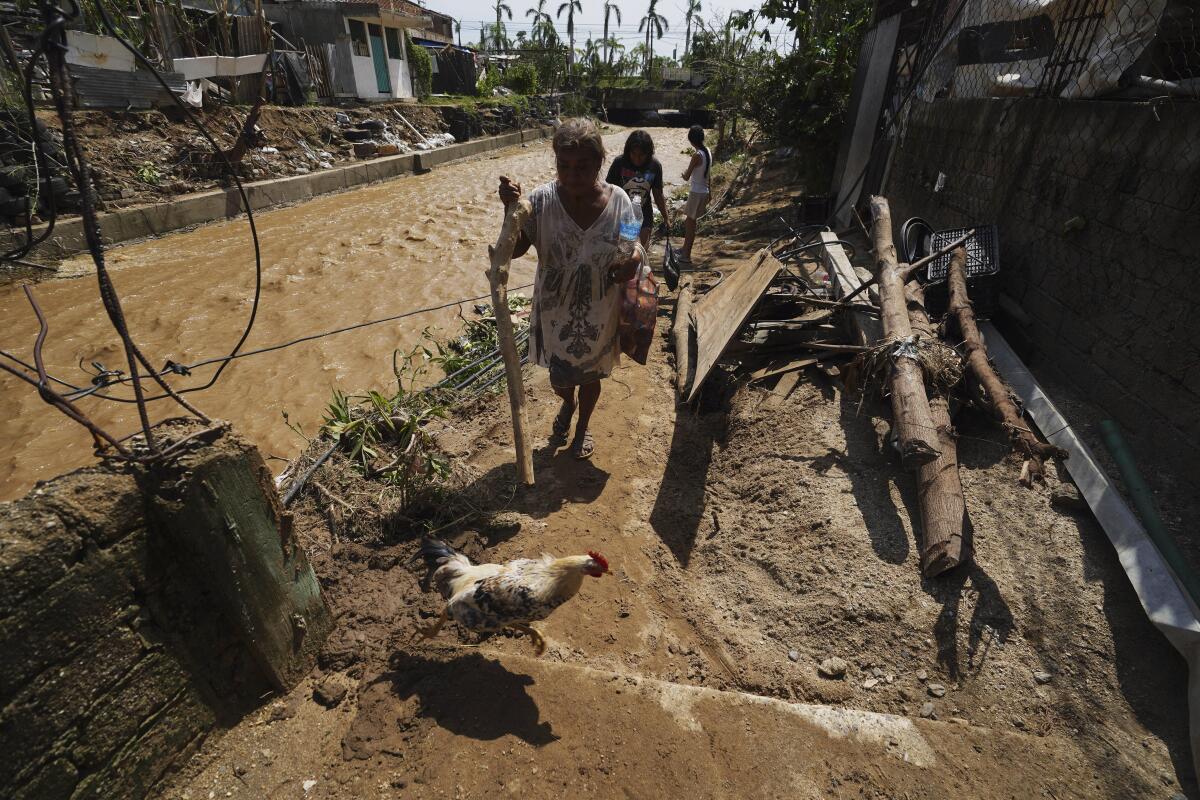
{"type": "Point", "coordinates": [410, 243]}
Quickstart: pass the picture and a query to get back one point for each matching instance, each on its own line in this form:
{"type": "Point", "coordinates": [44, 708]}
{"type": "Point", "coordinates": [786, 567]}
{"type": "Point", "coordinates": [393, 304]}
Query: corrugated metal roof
{"type": "Point", "coordinates": [107, 88]}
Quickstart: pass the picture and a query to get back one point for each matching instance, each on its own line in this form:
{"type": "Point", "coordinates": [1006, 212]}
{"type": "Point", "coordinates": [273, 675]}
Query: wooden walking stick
{"type": "Point", "coordinates": [515, 216]}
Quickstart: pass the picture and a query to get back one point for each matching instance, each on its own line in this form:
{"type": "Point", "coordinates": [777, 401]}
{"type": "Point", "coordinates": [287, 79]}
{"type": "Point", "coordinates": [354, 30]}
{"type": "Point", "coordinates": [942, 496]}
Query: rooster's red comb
{"type": "Point", "coordinates": [599, 559]}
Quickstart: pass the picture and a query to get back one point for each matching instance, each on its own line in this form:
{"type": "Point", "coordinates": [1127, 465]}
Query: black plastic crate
{"type": "Point", "coordinates": [983, 251]}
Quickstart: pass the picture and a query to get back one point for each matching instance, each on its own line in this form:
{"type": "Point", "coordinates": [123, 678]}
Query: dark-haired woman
{"type": "Point", "coordinates": [640, 174]}
{"type": "Point", "coordinates": [697, 173]}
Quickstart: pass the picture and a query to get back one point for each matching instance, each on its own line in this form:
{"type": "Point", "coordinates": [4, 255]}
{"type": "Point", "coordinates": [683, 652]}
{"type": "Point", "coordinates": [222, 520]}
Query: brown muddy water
{"type": "Point", "coordinates": [409, 243]}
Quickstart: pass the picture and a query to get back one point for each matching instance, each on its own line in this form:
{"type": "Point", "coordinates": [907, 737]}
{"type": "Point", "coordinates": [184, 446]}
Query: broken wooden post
{"type": "Point", "coordinates": [996, 394]}
{"type": "Point", "coordinates": [515, 216]}
{"type": "Point", "coordinates": [681, 338]}
{"type": "Point", "coordinates": [939, 489]}
{"type": "Point", "coordinates": [916, 434]}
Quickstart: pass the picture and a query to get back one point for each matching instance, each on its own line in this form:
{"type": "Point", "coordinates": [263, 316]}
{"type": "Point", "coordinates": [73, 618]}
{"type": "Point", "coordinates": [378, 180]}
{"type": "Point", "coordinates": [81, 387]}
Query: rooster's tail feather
{"type": "Point", "coordinates": [437, 554]}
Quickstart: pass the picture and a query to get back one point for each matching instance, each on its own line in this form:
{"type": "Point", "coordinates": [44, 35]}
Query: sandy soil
{"type": "Point", "coordinates": [749, 543]}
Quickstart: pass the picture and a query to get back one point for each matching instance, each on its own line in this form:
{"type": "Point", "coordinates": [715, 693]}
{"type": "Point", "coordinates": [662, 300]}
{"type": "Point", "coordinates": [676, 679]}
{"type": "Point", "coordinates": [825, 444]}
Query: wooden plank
{"type": "Point", "coordinates": [783, 389]}
{"type": "Point", "coordinates": [867, 327]}
{"type": "Point", "coordinates": [781, 366]}
{"type": "Point", "coordinates": [720, 314]}
{"type": "Point", "coordinates": [681, 337]}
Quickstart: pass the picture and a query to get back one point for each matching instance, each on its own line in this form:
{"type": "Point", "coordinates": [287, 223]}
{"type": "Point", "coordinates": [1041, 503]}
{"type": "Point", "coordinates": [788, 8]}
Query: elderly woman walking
{"type": "Point", "coordinates": [576, 228]}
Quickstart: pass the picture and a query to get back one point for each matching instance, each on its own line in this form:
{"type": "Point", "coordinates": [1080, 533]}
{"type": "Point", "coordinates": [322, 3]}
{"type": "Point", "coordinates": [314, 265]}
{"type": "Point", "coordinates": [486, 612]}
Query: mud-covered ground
{"type": "Point", "coordinates": [751, 541]}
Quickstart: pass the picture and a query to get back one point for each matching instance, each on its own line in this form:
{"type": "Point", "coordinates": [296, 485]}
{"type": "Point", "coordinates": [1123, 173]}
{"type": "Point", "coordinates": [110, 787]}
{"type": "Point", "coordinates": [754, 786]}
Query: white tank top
{"type": "Point", "coordinates": [700, 174]}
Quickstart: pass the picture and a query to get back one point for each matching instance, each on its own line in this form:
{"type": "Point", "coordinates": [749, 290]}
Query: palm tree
{"type": "Point", "coordinates": [609, 7]}
{"type": "Point", "coordinates": [571, 6]}
{"type": "Point", "coordinates": [544, 33]}
{"type": "Point", "coordinates": [654, 24]}
{"type": "Point", "coordinates": [693, 12]}
{"type": "Point", "coordinates": [500, 34]}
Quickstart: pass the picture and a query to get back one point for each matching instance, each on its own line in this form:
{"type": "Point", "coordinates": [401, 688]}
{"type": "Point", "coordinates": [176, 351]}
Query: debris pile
{"type": "Point", "coordinates": [783, 312]}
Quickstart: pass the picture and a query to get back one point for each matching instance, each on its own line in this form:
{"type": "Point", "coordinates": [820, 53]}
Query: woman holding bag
{"type": "Point", "coordinates": [576, 229]}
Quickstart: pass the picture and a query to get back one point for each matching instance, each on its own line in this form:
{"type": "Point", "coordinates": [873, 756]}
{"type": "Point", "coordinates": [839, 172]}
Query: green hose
{"type": "Point", "coordinates": [1143, 501]}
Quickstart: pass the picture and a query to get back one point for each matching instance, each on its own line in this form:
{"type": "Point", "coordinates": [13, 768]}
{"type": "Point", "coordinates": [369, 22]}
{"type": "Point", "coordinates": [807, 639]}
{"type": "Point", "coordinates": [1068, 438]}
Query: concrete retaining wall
{"type": "Point", "coordinates": [197, 209]}
{"type": "Point", "coordinates": [1096, 204]}
{"type": "Point", "coordinates": [117, 653]}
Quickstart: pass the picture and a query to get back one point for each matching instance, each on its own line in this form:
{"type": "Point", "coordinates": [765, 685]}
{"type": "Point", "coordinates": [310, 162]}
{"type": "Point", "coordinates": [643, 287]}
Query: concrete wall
{"type": "Point", "coordinates": [1097, 205]}
{"type": "Point", "coordinates": [196, 209]}
{"type": "Point", "coordinates": [130, 629]}
{"type": "Point", "coordinates": [94, 701]}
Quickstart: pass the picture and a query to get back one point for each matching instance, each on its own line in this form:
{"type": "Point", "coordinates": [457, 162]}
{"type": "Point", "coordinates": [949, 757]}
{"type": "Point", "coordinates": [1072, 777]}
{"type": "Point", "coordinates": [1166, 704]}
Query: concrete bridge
{"type": "Point", "coordinates": [632, 103]}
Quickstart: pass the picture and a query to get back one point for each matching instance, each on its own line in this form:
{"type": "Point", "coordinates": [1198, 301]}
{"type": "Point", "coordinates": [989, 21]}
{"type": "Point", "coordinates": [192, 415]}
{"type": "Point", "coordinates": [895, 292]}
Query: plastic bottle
{"type": "Point", "coordinates": [630, 230]}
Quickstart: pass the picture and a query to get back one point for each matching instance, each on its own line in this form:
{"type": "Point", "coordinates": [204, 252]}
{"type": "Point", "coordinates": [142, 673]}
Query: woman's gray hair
{"type": "Point", "coordinates": [581, 133]}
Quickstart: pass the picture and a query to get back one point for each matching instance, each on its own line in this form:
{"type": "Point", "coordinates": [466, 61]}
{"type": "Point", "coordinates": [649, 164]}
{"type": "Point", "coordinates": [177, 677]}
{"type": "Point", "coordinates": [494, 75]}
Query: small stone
{"type": "Point", "coordinates": [1065, 497]}
{"type": "Point", "coordinates": [239, 770]}
{"type": "Point", "coordinates": [877, 672]}
{"type": "Point", "coordinates": [1043, 677]}
{"type": "Point", "coordinates": [308, 785]}
{"type": "Point", "coordinates": [905, 695]}
{"type": "Point", "coordinates": [1166, 777]}
{"type": "Point", "coordinates": [936, 690]}
{"type": "Point", "coordinates": [870, 683]}
{"type": "Point", "coordinates": [794, 655]}
{"type": "Point", "coordinates": [833, 667]}
{"type": "Point", "coordinates": [927, 711]}
{"type": "Point", "coordinates": [922, 675]}
{"type": "Point", "coordinates": [1018, 723]}
{"type": "Point", "coordinates": [329, 693]}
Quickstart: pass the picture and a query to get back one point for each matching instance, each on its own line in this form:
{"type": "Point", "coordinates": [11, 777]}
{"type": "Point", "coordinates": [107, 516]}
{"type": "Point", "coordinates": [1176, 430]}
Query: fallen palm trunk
{"type": "Point", "coordinates": [996, 394]}
{"type": "Point", "coordinates": [939, 489]}
{"type": "Point", "coordinates": [515, 216]}
{"type": "Point", "coordinates": [916, 434]}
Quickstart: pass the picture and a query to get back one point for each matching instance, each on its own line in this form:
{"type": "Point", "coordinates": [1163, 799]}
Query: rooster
{"type": "Point", "coordinates": [489, 597]}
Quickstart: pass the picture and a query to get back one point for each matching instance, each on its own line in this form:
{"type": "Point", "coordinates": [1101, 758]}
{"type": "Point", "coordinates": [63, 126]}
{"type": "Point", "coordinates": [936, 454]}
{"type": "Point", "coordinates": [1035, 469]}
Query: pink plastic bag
{"type": "Point", "coordinates": [639, 314]}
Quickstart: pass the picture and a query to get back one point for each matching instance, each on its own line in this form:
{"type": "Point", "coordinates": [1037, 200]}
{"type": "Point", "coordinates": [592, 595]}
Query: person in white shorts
{"type": "Point", "coordinates": [697, 173]}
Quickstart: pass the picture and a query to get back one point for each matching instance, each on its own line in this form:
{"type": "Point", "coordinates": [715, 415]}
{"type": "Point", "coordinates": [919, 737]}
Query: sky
{"type": "Point", "coordinates": [471, 13]}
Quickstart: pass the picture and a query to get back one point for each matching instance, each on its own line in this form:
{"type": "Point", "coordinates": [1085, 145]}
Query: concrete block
{"type": "Point", "coordinates": [144, 761]}
{"type": "Point", "coordinates": [116, 718]}
{"type": "Point", "coordinates": [50, 706]}
{"type": "Point", "coordinates": [101, 506]}
{"type": "Point", "coordinates": [68, 617]}
{"type": "Point", "coordinates": [38, 550]}
{"type": "Point", "coordinates": [57, 779]}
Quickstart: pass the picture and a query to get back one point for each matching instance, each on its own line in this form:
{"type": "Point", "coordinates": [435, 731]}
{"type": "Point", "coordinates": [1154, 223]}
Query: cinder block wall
{"type": "Point", "coordinates": [94, 699]}
{"type": "Point", "coordinates": [1098, 207]}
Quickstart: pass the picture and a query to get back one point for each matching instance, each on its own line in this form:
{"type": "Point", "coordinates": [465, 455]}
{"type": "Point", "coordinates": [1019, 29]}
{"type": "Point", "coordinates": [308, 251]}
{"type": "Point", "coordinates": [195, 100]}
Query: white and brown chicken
{"type": "Point", "coordinates": [489, 597]}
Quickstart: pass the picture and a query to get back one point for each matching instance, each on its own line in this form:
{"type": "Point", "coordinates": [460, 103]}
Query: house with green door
{"type": "Point", "coordinates": [361, 44]}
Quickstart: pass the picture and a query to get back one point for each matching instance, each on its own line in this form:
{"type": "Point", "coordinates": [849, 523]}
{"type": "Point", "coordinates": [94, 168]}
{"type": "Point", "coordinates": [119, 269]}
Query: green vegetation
{"type": "Point", "coordinates": [385, 435]}
{"type": "Point", "coordinates": [522, 78]}
{"type": "Point", "coordinates": [422, 67]}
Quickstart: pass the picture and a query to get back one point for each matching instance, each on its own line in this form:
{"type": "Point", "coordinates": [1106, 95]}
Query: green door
{"type": "Point", "coordinates": [381, 60]}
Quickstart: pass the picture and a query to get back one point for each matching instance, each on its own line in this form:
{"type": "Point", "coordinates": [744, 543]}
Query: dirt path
{"type": "Point", "coordinates": [747, 547]}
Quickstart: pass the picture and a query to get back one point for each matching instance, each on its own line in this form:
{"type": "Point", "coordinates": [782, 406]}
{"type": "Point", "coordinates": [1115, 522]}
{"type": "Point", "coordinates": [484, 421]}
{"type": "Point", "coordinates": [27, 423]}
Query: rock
{"type": "Point", "coordinates": [329, 693]}
{"type": "Point", "coordinates": [1043, 677]}
{"type": "Point", "coordinates": [870, 683]}
{"type": "Point", "coordinates": [936, 690]}
{"type": "Point", "coordinates": [905, 695]}
{"type": "Point", "coordinates": [927, 711]}
{"type": "Point", "coordinates": [1065, 497]}
{"type": "Point", "coordinates": [793, 655]}
{"type": "Point", "coordinates": [1018, 723]}
{"type": "Point", "coordinates": [833, 667]}
{"type": "Point", "coordinates": [922, 675]}
{"type": "Point", "coordinates": [877, 672]}
{"type": "Point", "coordinates": [365, 149]}
{"type": "Point", "coordinates": [389, 150]}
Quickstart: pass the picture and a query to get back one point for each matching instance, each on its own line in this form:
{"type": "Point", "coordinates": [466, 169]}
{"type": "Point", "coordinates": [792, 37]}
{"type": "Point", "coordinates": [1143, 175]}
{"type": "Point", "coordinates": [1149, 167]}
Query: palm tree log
{"type": "Point", "coordinates": [915, 431]}
{"type": "Point", "coordinates": [996, 394]}
{"type": "Point", "coordinates": [939, 489]}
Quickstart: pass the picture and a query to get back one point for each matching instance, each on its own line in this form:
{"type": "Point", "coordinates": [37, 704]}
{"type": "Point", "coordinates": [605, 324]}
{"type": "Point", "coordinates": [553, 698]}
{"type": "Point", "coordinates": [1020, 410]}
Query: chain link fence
{"type": "Point", "coordinates": [1073, 126]}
